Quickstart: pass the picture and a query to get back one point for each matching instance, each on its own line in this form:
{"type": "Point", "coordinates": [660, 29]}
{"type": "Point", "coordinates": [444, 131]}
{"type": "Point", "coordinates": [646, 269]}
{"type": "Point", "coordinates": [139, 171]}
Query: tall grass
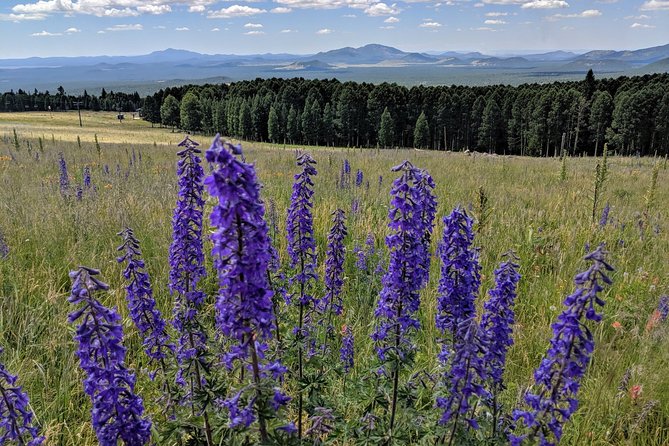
{"type": "Point", "coordinates": [544, 218]}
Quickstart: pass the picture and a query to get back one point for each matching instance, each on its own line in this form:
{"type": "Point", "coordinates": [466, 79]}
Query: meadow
{"type": "Point", "coordinates": [540, 208]}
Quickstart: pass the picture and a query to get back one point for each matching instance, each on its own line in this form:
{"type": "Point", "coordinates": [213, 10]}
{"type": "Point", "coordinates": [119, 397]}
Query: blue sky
{"type": "Point", "coordinates": [128, 27]}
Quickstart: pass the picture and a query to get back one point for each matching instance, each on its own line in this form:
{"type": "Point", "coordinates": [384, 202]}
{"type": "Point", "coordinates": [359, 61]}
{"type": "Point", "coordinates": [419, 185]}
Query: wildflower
{"type": "Point", "coordinates": [64, 177]}
{"type": "Point", "coordinates": [141, 304]}
{"type": "Point", "coordinates": [358, 178]}
{"type": "Point", "coordinates": [334, 265]}
{"type": "Point", "coordinates": [355, 206]}
{"type": "Point", "coordinates": [428, 205]}
{"type": "Point", "coordinates": [557, 379]}
{"type": "Point", "coordinates": [399, 299]}
{"type": "Point", "coordinates": [605, 216]}
{"type": "Point", "coordinates": [460, 274]}
{"type": "Point", "coordinates": [663, 308]}
{"type": "Point", "coordinates": [497, 328]}
{"type": "Point", "coordinates": [617, 325]}
{"type": "Point", "coordinates": [16, 417]}
{"type": "Point", "coordinates": [321, 422]}
{"type": "Point", "coordinates": [241, 255]}
{"type": "Point", "coordinates": [364, 255]}
{"type": "Point", "coordinates": [347, 349]}
{"type": "Point", "coordinates": [466, 376]}
{"type": "Point", "coordinates": [117, 412]}
{"type": "Point", "coordinates": [635, 392]}
{"type": "Point", "coordinates": [87, 177]}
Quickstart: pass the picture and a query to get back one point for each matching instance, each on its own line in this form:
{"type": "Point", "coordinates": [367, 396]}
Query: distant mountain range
{"type": "Point", "coordinates": [373, 63]}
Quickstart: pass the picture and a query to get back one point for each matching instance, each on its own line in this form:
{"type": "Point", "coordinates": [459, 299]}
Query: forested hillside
{"type": "Point", "coordinates": [631, 114]}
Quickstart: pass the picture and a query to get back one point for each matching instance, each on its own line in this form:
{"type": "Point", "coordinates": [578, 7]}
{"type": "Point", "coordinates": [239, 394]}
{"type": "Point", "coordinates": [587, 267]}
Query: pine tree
{"type": "Point", "coordinates": [274, 126]}
{"type": "Point", "coordinates": [170, 112]}
{"type": "Point", "coordinates": [190, 112]}
{"type": "Point", "coordinates": [421, 134]}
{"type": "Point", "coordinates": [386, 129]}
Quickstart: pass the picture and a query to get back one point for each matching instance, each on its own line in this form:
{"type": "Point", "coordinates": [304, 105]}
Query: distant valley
{"type": "Point", "coordinates": [370, 63]}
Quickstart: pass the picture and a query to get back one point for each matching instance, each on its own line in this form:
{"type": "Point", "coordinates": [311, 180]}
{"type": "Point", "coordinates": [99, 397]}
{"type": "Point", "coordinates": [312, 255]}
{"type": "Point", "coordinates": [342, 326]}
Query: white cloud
{"type": "Point", "coordinates": [381, 9]}
{"type": "Point", "coordinates": [135, 27]}
{"type": "Point", "coordinates": [72, 30]}
{"type": "Point", "coordinates": [327, 4]}
{"type": "Point", "coordinates": [254, 33]}
{"type": "Point", "coordinates": [655, 5]}
{"type": "Point", "coordinates": [432, 25]}
{"type": "Point", "coordinates": [197, 8]}
{"type": "Point", "coordinates": [478, 5]}
{"type": "Point", "coordinates": [637, 17]}
{"type": "Point", "coordinates": [235, 11]}
{"type": "Point", "coordinates": [215, 29]}
{"type": "Point", "coordinates": [21, 17]}
{"type": "Point", "coordinates": [182, 28]}
{"type": "Point", "coordinates": [281, 10]}
{"type": "Point", "coordinates": [637, 25]}
{"type": "Point", "coordinates": [587, 14]}
{"type": "Point", "coordinates": [496, 14]}
{"type": "Point", "coordinates": [350, 16]}
{"type": "Point", "coordinates": [483, 28]}
{"type": "Point", "coordinates": [286, 31]}
{"type": "Point", "coordinates": [495, 22]}
{"type": "Point", "coordinates": [125, 12]}
{"type": "Point", "coordinates": [159, 27]}
{"type": "Point", "coordinates": [45, 34]}
{"type": "Point", "coordinates": [324, 31]}
{"type": "Point", "coordinates": [386, 27]}
{"type": "Point", "coordinates": [154, 9]}
{"type": "Point", "coordinates": [545, 4]}
{"type": "Point", "coordinates": [391, 20]}
{"type": "Point", "coordinates": [253, 25]}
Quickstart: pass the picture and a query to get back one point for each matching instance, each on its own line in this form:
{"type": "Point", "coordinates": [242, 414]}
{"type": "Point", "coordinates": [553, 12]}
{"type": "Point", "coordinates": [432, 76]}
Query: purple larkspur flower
{"type": "Point", "coordinates": [87, 177]}
{"type": "Point", "coordinates": [460, 274]}
{"type": "Point", "coordinates": [346, 353]}
{"type": "Point", "coordinates": [428, 205]}
{"type": "Point", "coordinates": [117, 412]}
{"type": "Point", "coordinates": [663, 308]}
{"type": "Point", "coordinates": [358, 178]}
{"type": "Point", "coordinates": [141, 304]}
{"type": "Point", "coordinates": [364, 255]}
{"type": "Point", "coordinates": [16, 416]}
{"type": "Point", "coordinates": [465, 377]}
{"type": "Point", "coordinates": [334, 265]}
{"type": "Point", "coordinates": [553, 399]}
{"type": "Point", "coordinates": [497, 329]}
{"type": "Point", "coordinates": [64, 176]}
{"type": "Point", "coordinates": [399, 298]}
{"type": "Point", "coordinates": [604, 219]}
{"type": "Point", "coordinates": [241, 252]}
{"type": "Point", "coordinates": [186, 266]}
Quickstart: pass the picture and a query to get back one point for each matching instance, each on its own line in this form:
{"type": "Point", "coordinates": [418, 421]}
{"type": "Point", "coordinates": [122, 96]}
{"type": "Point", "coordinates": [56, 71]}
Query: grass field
{"type": "Point", "coordinates": [545, 220]}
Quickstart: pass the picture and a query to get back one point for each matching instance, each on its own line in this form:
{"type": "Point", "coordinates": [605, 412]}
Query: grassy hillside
{"type": "Point", "coordinates": [545, 220]}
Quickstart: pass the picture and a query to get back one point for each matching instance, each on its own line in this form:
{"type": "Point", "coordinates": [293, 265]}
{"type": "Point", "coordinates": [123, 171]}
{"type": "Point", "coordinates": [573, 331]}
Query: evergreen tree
{"type": "Point", "coordinates": [491, 126]}
{"type": "Point", "coordinates": [600, 116]}
{"type": "Point", "coordinates": [274, 126]}
{"type": "Point", "coordinates": [421, 134]}
{"type": "Point", "coordinates": [170, 112]}
{"type": "Point", "coordinates": [328, 125]}
{"type": "Point", "coordinates": [245, 122]}
{"type": "Point", "coordinates": [151, 110]}
{"type": "Point", "coordinates": [386, 129]}
{"type": "Point", "coordinates": [293, 126]}
{"type": "Point", "coordinates": [190, 112]}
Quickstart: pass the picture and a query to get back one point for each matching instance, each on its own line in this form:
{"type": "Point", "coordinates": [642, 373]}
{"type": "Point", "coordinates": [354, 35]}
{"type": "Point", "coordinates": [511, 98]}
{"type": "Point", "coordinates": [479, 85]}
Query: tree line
{"type": "Point", "coordinates": [21, 100]}
{"type": "Point", "coordinates": [631, 114]}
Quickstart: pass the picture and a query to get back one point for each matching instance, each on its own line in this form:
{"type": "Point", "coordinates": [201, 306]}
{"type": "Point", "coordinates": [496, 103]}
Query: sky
{"type": "Point", "coordinates": [131, 27]}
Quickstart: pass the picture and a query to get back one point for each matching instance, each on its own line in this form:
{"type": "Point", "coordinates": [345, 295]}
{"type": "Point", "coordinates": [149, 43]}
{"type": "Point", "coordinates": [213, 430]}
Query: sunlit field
{"type": "Point", "coordinates": [542, 209]}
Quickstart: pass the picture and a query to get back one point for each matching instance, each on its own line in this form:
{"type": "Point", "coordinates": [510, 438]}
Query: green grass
{"type": "Point", "coordinates": [546, 222]}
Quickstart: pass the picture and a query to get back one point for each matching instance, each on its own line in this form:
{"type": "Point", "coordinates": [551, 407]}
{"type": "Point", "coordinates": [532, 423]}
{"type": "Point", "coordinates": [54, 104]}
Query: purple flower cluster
{"type": "Point", "coordinates": [241, 256]}
{"type": "Point", "coordinates": [557, 379]}
{"type": "Point", "coordinates": [604, 219]}
{"type": "Point", "coordinates": [428, 205]}
{"type": "Point", "coordinates": [345, 176]}
{"type": "Point", "coordinates": [399, 299]}
{"type": "Point", "coordinates": [334, 265]}
{"type": "Point", "coordinates": [16, 417]}
{"type": "Point", "coordinates": [4, 247]}
{"type": "Point", "coordinates": [186, 262]}
{"type": "Point", "coordinates": [364, 255]}
{"type": "Point", "coordinates": [466, 376]}
{"type": "Point", "coordinates": [346, 353]}
{"type": "Point", "coordinates": [497, 321]}
{"type": "Point", "coordinates": [300, 223]}
{"type": "Point", "coordinates": [662, 307]}
{"type": "Point", "coordinates": [141, 304]}
{"type": "Point", "coordinates": [64, 176]}
{"type": "Point", "coordinates": [358, 178]}
{"type": "Point", "coordinates": [117, 412]}
{"type": "Point", "coordinates": [460, 274]}
{"type": "Point", "coordinates": [87, 177]}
